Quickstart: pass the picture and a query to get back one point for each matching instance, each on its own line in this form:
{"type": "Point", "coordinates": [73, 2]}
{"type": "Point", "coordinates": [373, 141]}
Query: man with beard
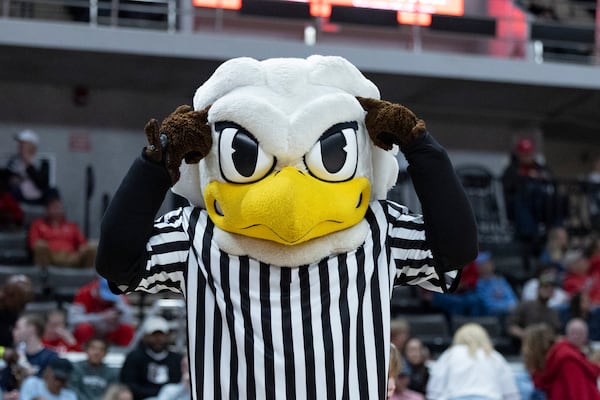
{"type": "Point", "coordinates": [151, 365]}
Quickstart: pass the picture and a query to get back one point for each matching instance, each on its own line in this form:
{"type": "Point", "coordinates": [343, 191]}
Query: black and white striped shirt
{"type": "Point", "coordinates": [318, 331]}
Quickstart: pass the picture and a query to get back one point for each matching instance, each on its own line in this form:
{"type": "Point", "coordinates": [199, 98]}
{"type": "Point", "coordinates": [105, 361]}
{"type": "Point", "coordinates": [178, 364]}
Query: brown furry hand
{"type": "Point", "coordinates": [390, 123]}
{"type": "Point", "coordinates": [154, 150]}
{"type": "Point", "coordinates": [183, 135]}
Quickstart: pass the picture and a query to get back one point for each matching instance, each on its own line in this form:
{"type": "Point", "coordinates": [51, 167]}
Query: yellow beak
{"type": "Point", "coordinates": [288, 206]}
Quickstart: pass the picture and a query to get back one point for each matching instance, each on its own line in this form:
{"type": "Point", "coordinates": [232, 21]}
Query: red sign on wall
{"type": "Point", "coordinates": [80, 142]}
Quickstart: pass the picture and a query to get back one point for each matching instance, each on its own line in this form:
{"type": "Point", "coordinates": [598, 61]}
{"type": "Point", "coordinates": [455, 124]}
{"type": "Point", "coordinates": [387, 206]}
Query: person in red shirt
{"type": "Point", "coordinates": [582, 277]}
{"type": "Point", "coordinates": [56, 335]}
{"type": "Point", "coordinates": [96, 311]}
{"type": "Point", "coordinates": [567, 372]}
{"type": "Point", "coordinates": [56, 241]}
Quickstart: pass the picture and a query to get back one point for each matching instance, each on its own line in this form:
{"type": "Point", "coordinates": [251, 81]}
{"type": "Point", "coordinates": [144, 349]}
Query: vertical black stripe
{"type": "Point", "coordinates": [378, 333]}
{"type": "Point", "coordinates": [191, 234]}
{"type": "Point", "coordinates": [248, 331]}
{"type": "Point", "coordinates": [326, 326]}
{"type": "Point", "coordinates": [361, 359]}
{"type": "Point", "coordinates": [218, 330]}
{"type": "Point", "coordinates": [201, 292]}
{"type": "Point", "coordinates": [233, 356]}
{"type": "Point", "coordinates": [217, 337]}
{"type": "Point", "coordinates": [384, 206]}
{"type": "Point", "coordinates": [265, 312]}
{"type": "Point", "coordinates": [345, 318]}
{"type": "Point", "coordinates": [309, 355]}
{"type": "Point", "coordinates": [200, 336]}
{"type": "Point", "coordinates": [288, 342]}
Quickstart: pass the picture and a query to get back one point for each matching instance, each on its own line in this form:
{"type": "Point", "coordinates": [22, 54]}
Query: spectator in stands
{"type": "Point", "coordinates": [56, 241]}
{"type": "Point", "coordinates": [550, 273]}
{"type": "Point", "coordinates": [416, 355]}
{"type": "Point", "coordinates": [393, 370]}
{"type": "Point", "coordinates": [555, 248]}
{"type": "Point", "coordinates": [53, 384]}
{"type": "Point", "coordinates": [400, 332]}
{"type": "Point", "coordinates": [29, 357]}
{"type": "Point", "coordinates": [14, 296]}
{"type": "Point", "coordinates": [537, 340]}
{"type": "Point", "coordinates": [96, 311]}
{"type": "Point", "coordinates": [182, 390]}
{"type": "Point", "coordinates": [494, 292]}
{"type": "Point", "coordinates": [534, 311]}
{"type": "Point", "coordinates": [578, 277]}
{"type": "Point", "coordinates": [118, 391]}
{"type": "Point", "coordinates": [471, 368]}
{"type": "Point", "coordinates": [401, 390]}
{"type": "Point", "coordinates": [580, 307]}
{"type": "Point", "coordinates": [566, 372]}
{"type": "Point", "coordinates": [528, 187]}
{"type": "Point", "coordinates": [91, 377]}
{"type": "Point", "coordinates": [577, 333]}
{"type": "Point", "coordinates": [593, 253]}
{"type": "Point", "coordinates": [151, 365]}
{"type": "Point", "coordinates": [29, 180]}
{"type": "Point", "coordinates": [11, 213]}
{"type": "Point", "coordinates": [56, 335]}
{"type": "Point", "coordinates": [582, 283]}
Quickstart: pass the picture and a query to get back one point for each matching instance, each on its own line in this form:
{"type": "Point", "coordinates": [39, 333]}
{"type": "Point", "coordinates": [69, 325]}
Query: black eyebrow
{"type": "Point", "coordinates": [338, 128]}
{"type": "Point", "coordinates": [219, 126]}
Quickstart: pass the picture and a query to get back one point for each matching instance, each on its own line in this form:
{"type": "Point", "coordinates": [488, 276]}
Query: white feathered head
{"type": "Point", "coordinates": [291, 161]}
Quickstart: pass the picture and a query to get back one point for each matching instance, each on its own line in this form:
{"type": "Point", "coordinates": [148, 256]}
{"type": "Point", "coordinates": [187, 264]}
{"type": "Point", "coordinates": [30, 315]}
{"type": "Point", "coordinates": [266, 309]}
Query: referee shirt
{"type": "Point", "coordinates": [318, 331]}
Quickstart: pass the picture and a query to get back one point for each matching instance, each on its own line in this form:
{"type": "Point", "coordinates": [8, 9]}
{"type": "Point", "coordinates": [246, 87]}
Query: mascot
{"type": "Point", "coordinates": [288, 252]}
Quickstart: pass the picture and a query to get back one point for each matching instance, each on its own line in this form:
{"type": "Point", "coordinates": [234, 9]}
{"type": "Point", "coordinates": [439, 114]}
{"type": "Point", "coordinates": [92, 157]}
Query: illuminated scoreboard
{"type": "Point", "coordinates": [408, 11]}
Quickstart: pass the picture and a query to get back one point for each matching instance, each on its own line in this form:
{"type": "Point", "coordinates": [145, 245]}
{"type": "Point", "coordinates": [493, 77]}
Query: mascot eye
{"type": "Point", "coordinates": [240, 157]}
{"type": "Point", "coordinates": [335, 156]}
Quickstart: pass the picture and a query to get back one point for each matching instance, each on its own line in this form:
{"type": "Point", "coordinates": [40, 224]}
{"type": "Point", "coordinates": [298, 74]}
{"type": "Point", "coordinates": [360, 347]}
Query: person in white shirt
{"type": "Point", "coordinates": [471, 369]}
{"type": "Point", "coordinates": [547, 273]}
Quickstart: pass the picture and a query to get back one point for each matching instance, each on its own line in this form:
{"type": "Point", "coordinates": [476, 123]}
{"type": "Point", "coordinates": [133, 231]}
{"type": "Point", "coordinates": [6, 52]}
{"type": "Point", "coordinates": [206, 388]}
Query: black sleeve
{"type": "Point", "coordinates": [450, 225]}
{"type": "Point", "coordinates": [129, 220]}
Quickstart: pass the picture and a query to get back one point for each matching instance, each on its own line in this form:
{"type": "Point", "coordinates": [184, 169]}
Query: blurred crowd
{"type": "Point", "coordinates": [549, 321]}
{"type": "Point", "coordinates": [35, 351]}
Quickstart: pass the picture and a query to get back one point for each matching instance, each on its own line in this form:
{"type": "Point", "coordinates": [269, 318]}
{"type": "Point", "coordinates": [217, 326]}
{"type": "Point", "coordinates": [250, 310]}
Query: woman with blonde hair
{"type": "Point", "coordinates": [471, 369]}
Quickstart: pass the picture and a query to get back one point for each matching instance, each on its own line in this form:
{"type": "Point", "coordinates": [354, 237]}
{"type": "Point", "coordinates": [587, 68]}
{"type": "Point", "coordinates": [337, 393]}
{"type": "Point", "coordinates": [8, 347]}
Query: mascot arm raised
{"type": "Point", "coordinates": [129, 219]}
{"type": "Point", "coordinates": [442, 197]}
